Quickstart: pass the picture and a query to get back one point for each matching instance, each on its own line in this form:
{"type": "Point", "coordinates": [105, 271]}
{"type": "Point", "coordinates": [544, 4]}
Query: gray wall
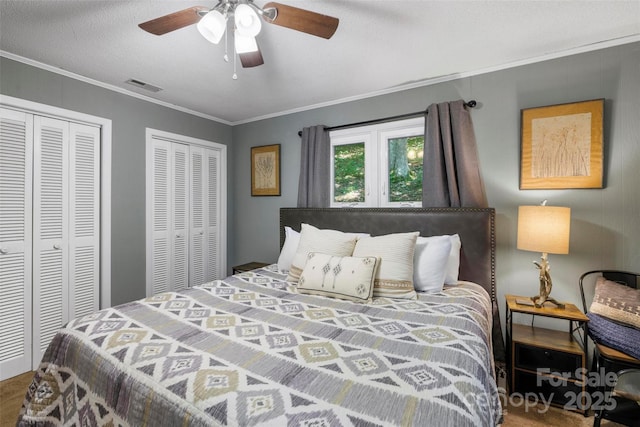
{"type": "Point", "coordinates": [605, 222]}
{"type": "Point", "coordinates": [130, 117]}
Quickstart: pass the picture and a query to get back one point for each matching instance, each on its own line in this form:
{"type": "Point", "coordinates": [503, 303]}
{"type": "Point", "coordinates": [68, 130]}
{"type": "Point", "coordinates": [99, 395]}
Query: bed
{"type": "Point", "coordinates": [252, 350]}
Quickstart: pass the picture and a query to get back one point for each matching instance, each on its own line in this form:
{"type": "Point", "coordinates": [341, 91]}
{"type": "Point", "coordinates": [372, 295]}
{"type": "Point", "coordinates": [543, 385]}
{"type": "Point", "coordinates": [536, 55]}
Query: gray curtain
{"type": "Point", "coordinates": [313, 186]}
{"type": "Point", "coordinates": [451, 170]}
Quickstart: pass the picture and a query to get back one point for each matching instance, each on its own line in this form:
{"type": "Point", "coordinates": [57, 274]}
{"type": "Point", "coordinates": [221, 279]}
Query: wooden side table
{"type": "Point", "coordinates": [545, 361]}
{"type": "Point", "coordinates": [248, 266]}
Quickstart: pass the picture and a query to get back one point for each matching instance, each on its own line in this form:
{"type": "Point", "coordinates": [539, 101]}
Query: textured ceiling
{"type": "Point", "coordinates": [379, 45]}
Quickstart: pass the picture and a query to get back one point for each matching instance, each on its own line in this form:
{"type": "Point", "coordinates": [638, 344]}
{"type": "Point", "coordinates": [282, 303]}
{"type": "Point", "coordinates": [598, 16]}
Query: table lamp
{"type": "Point", "coordinates": [544, 229]}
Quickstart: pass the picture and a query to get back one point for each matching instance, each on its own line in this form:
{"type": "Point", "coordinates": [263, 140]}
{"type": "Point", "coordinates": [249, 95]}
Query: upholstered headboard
{"type": "Point", "coordinates": [475, 226]}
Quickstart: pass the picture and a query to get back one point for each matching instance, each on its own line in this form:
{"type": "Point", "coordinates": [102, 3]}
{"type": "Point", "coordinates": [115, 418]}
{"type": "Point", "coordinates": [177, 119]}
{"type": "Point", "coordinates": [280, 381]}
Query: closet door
{"type": "Point", "coordinates": [168, 203]}
{"type": "Point", "coordinates": [16, 151]}
{"type": "Point", "coordinates": [205, 215]}
{"type": "Point", "coordinates": [84, 226]}
{"type": "Point", "coordinates": [50, 231]}
{"type": "Point", "coordinates": [213, 215]}
{"type": "Point", "coordinates": [180, 215]}
{"type": "Point", "coordinates": [197, 220]}
{"type": "Point", "coordinates": [158, 227]}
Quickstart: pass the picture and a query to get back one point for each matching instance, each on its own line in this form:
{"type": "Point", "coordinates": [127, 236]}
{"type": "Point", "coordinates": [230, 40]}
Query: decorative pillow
{"type": "Point", "coordinates": [453, 265]}
{"type": "Point", "coordinates": [395, 274]}
{"type": "Point", "coordinates": [615, 335]}
{"type": "Point", "coordinates": [430, 263]}
{"type": "Point", "coordinates": [349, 278]}
{"type": "Point", "coordinates": [291, 241]}
{"type": "Point", "coordinates": [312, 239]}
{"type": "Point", "coordinates": [617, 302]}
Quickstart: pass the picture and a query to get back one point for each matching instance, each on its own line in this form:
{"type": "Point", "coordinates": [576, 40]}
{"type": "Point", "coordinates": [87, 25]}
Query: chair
{"type": "Point", "coordinates": [607, 359]}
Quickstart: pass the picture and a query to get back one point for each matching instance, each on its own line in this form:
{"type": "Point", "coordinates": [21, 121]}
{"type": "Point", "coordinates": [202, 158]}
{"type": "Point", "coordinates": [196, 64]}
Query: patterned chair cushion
{"type": "Point", "coordinates": [395, 274]}
{"type": "Point", "coordinates": [349, 278]}
{"type": "Point", "coordinates": [617, 302]}
{"type": "Point", "coordinates": [614, 335]}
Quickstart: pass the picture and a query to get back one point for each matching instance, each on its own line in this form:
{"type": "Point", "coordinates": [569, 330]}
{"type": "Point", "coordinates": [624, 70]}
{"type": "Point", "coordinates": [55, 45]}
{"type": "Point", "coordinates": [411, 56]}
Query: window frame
{"type": "Point", "coordinates": [376, 155]}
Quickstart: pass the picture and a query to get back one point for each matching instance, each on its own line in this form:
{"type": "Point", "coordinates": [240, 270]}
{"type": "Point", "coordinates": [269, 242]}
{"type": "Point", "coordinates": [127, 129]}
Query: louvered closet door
{"type": "Point", "coordinates": [84, 227]}
{"type": "Point", "coordinates": [205, 215]}
{"type": "Point", "coordinates": [197, 254]}
{"type": "Point", "coordinates": [159, 262]}
{"type": "Point", "coordinates": [168, 268]}
{"type": "Point", "coordinates": [16, 150]}
{"type": "Point", "coordinates": [180, 215]}
{"type": "Point", "coordinates": [50, 231]}
{"type": "Point", "coordinates": [213, 267]}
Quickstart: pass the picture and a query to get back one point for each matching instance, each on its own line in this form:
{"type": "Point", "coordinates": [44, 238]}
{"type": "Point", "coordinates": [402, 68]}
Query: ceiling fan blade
{"type": "Point", "coordinates": [251, 59]}
{"type": "Point", "coordinates": [303, 20]}
{"type": "Point", "coordinates": [173, 21]}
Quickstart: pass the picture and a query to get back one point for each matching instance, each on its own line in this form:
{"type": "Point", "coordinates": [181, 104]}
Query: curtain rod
{"type": "Point", "coordinates": [471, 104]}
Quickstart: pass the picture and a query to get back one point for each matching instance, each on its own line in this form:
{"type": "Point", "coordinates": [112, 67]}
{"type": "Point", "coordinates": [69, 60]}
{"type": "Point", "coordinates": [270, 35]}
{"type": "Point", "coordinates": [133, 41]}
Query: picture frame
{"type": "Point", "coordinates": [562, 146]}
{"type": "Point", "coordinates": [265, 170]}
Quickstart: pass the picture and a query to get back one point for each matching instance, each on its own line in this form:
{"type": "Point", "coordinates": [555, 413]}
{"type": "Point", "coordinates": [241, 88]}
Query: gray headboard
{"type": "Point", "coordinates": [475, 226]}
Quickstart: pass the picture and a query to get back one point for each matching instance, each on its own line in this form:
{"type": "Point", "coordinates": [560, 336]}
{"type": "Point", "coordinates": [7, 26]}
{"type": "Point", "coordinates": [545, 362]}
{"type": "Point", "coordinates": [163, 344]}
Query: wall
{"type": "Point", "coordinates": [130, 116]}
{"type": "Point", "coordinates": [605, 222]}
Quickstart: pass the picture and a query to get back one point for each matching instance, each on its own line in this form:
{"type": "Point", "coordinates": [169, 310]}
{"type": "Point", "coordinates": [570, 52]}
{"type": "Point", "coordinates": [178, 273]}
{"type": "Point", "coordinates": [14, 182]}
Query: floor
{"type": "Point", "coordinates": [12, 392]}
{"type": "Point", "coordinates": [516, 413]}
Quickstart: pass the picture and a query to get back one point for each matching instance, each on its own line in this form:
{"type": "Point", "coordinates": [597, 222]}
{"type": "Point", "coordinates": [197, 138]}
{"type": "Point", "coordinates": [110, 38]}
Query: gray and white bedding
{"type": "Point", "coordinates": [250, 350]}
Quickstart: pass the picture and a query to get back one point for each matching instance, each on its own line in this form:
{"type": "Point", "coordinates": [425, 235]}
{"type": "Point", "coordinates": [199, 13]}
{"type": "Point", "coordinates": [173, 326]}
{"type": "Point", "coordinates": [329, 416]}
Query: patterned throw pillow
{"type": "Point", "coordinates": [312, 239]}
{"type": "Point", "coordinates": [616, 302]}
{"type": "Point", "coordinates": [349, 278]}
{"type": "Point", "coordinates": [395, 274]}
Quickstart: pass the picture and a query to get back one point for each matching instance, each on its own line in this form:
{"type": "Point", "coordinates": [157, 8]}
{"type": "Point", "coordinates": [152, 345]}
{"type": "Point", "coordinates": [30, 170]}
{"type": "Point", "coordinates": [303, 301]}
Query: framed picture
{"type": "Point", "coordinates": [562, 146]}
{"type": "Point", "coordinates": [265, 170]}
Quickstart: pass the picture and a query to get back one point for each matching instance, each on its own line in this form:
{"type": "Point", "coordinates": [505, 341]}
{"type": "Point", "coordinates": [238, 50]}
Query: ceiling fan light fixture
{"type": "Point", "coordinates": [247, 21]}
{"type": "Point", "coordinates": [212, 26]}
{"type": "Point", "coordinates": [245, 44]}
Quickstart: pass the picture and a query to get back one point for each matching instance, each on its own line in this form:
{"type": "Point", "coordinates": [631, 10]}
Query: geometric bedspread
{"type": "Point", "coordinates": [248, 350]}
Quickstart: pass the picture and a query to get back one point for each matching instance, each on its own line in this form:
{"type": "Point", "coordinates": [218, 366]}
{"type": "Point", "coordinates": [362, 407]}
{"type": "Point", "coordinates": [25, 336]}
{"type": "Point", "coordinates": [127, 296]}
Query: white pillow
{"type": "Point", "coordinates": [349, 278]}
{"type": "Point", "coordinates": [395, 274]}
{"type": "Point", "coordinates": [291, 241]}
{"type": "Point", "coordinates": [312, 239]}
{"type": "Point", "coordinates": [430, 263]}
{"type": "Point", "coordinates": [453, 266]}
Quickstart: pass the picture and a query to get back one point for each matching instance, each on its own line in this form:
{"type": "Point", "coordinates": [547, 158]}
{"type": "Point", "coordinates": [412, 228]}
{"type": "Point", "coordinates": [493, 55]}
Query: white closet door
{"type": "Point", "coordinates": [84, 227]}
{"type": "Point", "coordinates": [16, 151]}
{"type": "Point", "coordinates": [197, 254]}
{"type": "Point", "coordinates": [50, 231]}
{"type": "Point", "coordinates": [213, 214]}
{"type": "Point", "coordinates": [184, 205]}
{"type": "Point", "coordinates": [180, 215]}
{"type": "Point", "coordinates": [158, 205]}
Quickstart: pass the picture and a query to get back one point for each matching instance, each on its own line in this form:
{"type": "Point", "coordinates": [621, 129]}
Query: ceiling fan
{"type": "Point", "coordinates": [212, 24]}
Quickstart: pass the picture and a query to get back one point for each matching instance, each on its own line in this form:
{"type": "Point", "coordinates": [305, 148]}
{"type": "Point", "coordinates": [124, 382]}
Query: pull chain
{"type": "Point", "coordinates": [235, 55]}
{"type": "Point", "coordinates": [226, 45]}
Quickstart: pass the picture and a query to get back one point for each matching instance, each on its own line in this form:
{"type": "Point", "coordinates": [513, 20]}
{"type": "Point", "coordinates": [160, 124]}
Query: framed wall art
{"type": "Point", "coordinates": [265, 170]}
{"type": "Point", "coordinates": [562, 146]}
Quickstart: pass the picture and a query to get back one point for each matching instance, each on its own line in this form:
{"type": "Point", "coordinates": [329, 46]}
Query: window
{"type": "Point", "coordinates": [378, 165]}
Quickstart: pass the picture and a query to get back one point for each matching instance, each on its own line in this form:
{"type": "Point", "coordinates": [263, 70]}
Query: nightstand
{"type": "Point", "coordinates": [248, 266]}
{"type": "Point", "coordinates": [548, 362]}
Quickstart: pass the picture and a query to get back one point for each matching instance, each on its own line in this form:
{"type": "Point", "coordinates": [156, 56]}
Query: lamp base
{"type": "Point", "coordinates": [539, 301]}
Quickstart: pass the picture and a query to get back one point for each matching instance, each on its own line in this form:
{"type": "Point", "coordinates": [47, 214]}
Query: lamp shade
{"type": "Point", "coordinates": [247, 20]}
{"type": "Point", "coordinates": [212, 26]}
{"type": "Point", "coordinates": [245, 44]}
{"type": "Point", "coordinates": [544, 229]}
